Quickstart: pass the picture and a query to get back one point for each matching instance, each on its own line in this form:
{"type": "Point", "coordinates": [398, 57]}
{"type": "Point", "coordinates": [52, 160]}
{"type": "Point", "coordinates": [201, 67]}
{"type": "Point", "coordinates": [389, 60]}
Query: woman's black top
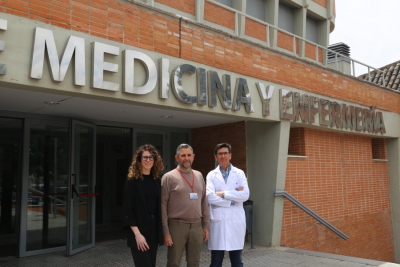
{"type": "Point", "coordinates": [151, 193]}
{"type": "Point", "coordinates": [139, 205]}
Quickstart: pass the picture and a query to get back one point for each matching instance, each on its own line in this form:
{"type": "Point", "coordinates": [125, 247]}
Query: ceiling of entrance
{"type": "Point", "coordinates": [82, 108]}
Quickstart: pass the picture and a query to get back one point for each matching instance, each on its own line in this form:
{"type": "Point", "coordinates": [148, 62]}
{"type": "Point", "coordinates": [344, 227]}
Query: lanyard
{"type": "Point", "coordinates": [191, 186]}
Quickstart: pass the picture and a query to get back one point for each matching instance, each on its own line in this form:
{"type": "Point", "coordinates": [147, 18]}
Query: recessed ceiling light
{"type": "Point", "coordinates": [167, 116]}
{"type": "Point", "coordinates": [52, 102]}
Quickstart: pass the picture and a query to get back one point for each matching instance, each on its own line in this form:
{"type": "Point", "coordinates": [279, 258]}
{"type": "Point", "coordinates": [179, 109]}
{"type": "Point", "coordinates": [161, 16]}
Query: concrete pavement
{"type": "Point", "coordinates": [115, 253]}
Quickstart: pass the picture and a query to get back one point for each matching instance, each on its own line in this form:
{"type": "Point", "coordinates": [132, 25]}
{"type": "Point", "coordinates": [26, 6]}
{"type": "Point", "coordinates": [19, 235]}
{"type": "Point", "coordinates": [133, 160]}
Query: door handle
{"type": "Point", "coordinates": [74, 186]}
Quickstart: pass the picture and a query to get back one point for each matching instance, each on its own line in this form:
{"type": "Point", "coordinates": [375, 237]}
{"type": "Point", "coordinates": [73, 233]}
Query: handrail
{"type": "Point", "coordinates": [51, 197]}
{"type": "Point", "coordinates": [311, 213]}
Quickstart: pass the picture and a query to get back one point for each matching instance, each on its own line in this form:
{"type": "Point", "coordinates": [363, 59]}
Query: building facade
{"type": "Point", "coordinates": [83, 83]}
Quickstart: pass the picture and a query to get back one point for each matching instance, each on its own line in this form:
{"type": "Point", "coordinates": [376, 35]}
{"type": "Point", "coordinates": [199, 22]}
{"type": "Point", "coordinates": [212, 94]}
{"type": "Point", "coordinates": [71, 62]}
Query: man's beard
{"type": "Point", "coordinates": [186, 165]}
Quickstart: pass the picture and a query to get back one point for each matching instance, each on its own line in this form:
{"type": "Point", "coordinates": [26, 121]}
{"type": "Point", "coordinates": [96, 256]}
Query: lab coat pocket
{"type": "Point", "coordinates": [215, 213]}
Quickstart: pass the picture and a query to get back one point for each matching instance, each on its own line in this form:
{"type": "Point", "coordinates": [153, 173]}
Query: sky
{"type": "Point", "coordinates": [369, 27]}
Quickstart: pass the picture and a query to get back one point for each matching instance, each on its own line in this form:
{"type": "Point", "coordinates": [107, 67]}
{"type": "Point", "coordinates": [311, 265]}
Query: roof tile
{"type": "Point", "coordinates": [391, 76]}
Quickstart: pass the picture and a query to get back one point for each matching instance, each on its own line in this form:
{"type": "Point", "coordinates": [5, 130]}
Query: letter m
{"type": "Point", "coordinates": [44, 41]}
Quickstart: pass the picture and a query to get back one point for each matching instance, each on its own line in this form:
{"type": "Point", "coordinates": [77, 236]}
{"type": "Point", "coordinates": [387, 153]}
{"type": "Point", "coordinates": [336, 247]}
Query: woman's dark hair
{"type": "Point", "coordinates": [135, 169]}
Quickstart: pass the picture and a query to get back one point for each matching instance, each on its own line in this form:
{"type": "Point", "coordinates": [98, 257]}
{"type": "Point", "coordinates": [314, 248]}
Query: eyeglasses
{"type": "Point", "coordinates": [220, 154]}
{"type": "Point", "coordinates": [150, 158]}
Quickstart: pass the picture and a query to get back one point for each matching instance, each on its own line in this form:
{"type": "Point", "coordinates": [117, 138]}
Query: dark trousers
{"type": "Point", "coordinates": [217, 256]}
{"type": "Point", "coordinates": [147, 258]}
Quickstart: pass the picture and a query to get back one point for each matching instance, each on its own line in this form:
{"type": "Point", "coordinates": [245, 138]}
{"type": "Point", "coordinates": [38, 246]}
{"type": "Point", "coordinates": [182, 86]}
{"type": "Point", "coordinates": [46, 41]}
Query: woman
{"type": "Point", "coordinates": [142, 206]}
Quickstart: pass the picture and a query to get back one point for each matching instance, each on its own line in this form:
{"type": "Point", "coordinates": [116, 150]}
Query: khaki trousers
{"type": "Point", "coordinates": [187, 236]}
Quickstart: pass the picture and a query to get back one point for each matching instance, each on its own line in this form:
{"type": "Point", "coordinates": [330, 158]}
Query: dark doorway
{"type": "Point", "coordinates": [113, 156]}
{"type": "Point", "coordinates": [10, 173]}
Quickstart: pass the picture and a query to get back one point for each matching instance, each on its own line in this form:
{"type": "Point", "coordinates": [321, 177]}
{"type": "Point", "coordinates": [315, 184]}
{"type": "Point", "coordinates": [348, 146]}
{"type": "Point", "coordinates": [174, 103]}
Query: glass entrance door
{"type": "Point", "coordinates": [44, 188]}
{"type": "Point", "coordinates": [81, 212]}
{"type": "Point", "coordinates": [57, 195]}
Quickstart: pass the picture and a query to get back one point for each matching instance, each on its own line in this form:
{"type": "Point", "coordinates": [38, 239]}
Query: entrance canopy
{"type": "Point", "coordinates": [92, 109]}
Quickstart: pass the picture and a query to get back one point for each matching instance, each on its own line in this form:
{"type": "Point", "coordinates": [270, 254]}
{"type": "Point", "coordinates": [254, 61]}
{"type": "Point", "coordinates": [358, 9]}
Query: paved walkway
{"type": "Point", "coordinates": [115, 253]}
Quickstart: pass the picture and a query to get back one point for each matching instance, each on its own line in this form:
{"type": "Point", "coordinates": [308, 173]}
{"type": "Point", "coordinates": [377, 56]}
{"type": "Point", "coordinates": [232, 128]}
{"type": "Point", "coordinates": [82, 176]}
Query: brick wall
{"type": "Point", "coordinates": [113, 20]}
{"type": "Point", "coordinates": [285, 41]}
{"type": "Point", "coordinates": [323, 3]}
{"type": "Point", "coordinates": [310, 52]}
{"type": "Point", "coordinates": [256, 30]}
{"type": "Point", "coordinates": [340, 182]}
{"type": "Point", "coordinates": [320, 55]}
{"type": "Point", "coordinates": [187, 6]}
{"type": "Point", "coordinates": [219, 15]}
{"type": "Point", "coordinates": [205, 139]}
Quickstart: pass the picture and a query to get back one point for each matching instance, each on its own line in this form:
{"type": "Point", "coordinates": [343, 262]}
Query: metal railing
{"type": "Point", "coordinates": [302, 43]}
{"type": "Point", "coordinates": [55, 199]}
{"type": "Point", "coordinates": [41, 194]}
{"type": "Point", "coordinates": [311, 213]}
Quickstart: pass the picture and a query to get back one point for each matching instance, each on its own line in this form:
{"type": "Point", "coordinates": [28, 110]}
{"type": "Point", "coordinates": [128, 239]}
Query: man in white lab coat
{"type": "Point", "coordinates": [227, 189]}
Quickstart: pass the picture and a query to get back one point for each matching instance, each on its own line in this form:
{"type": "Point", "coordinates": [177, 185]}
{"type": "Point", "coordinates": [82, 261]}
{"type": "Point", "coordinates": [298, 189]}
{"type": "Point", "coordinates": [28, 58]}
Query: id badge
{"type": "Point", "coordinates": [193, 196]}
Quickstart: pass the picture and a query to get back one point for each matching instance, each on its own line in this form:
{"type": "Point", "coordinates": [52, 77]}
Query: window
{"type": "Point", "coordinates": [378, 148]}
{"type": "Point", "coordinates": [296, 142]}
{"type": "Point", "coordinates": [225, 2]}
{"type": "Point", "coordinates": [312, 30]}
{"type": "Point", "coordinates": [286, 18]}
{"type": "Point", "coordinates": [256, 8]}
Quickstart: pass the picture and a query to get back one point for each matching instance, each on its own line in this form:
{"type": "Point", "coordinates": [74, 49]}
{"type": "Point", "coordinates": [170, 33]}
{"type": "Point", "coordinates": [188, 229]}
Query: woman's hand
{"type": "Point", "coordinates": [140, 240]}
{"type": "Point", "coordinates": [141, 243]}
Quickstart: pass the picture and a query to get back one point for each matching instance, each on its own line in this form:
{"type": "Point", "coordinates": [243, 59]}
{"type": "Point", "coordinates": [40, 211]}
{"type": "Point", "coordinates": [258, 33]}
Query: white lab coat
{"type": "Point", "coordinates": [228, 222]}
